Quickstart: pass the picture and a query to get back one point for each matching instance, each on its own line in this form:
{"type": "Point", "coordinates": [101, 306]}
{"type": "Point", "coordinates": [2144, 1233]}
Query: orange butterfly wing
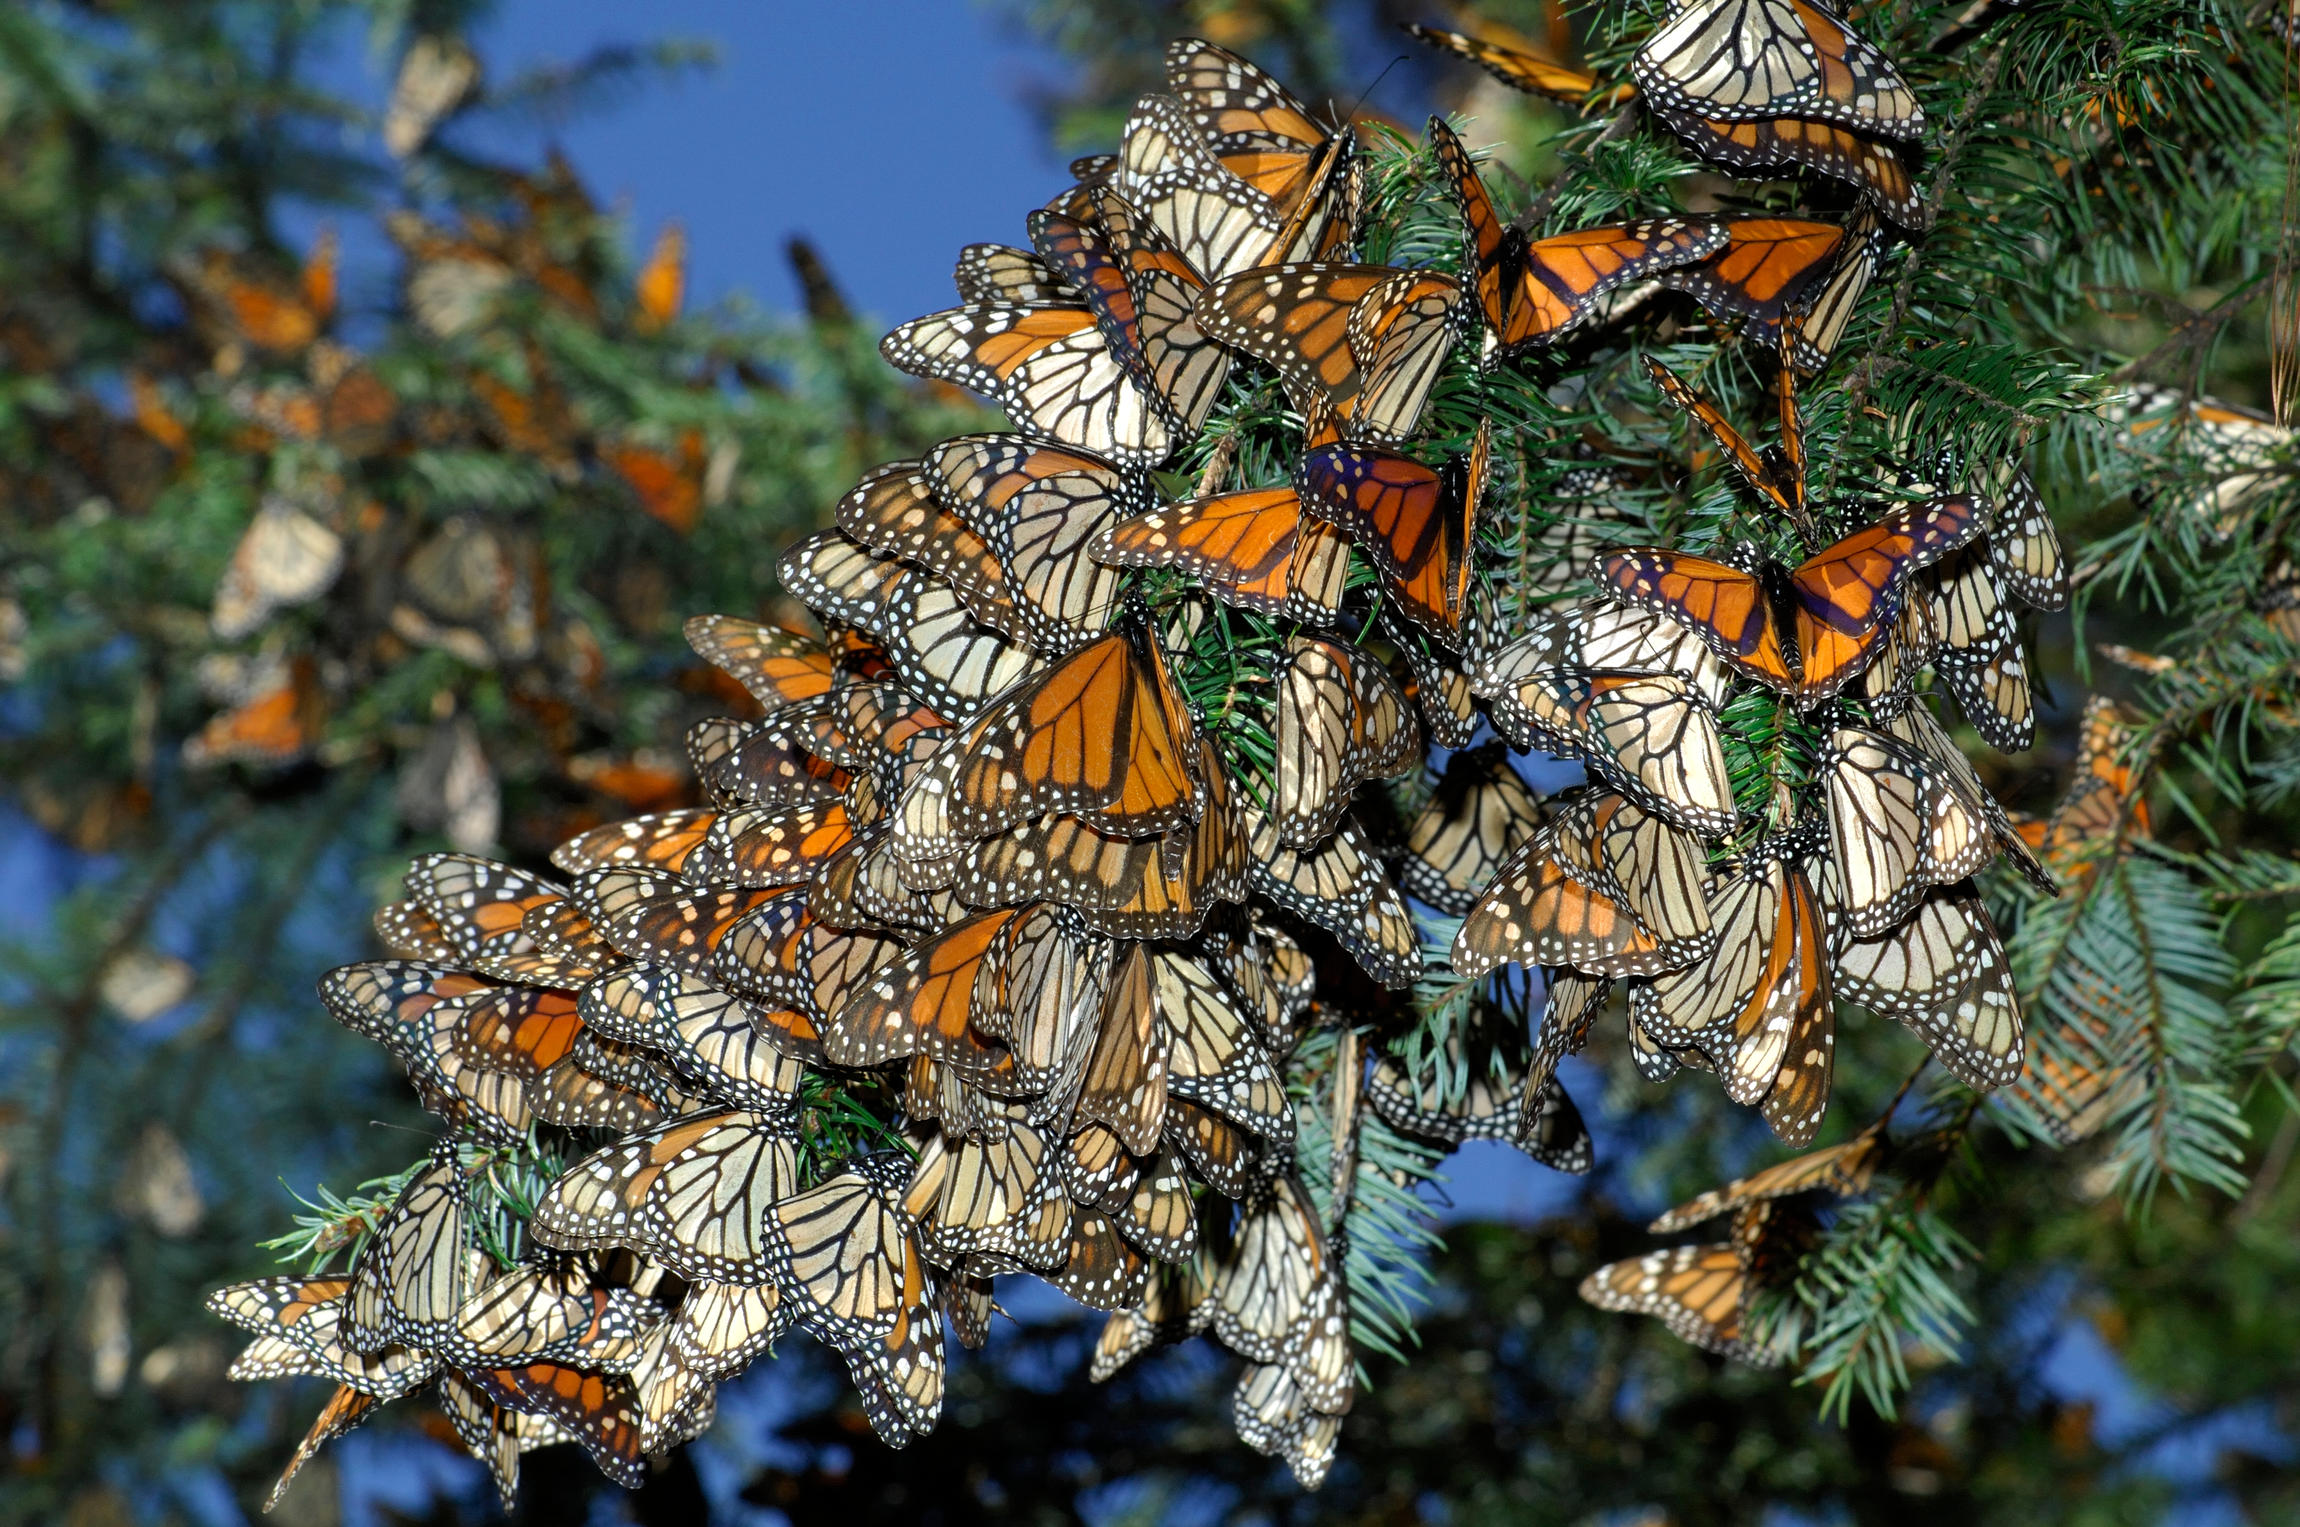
{"type": "Point", "coordinates": [1723, 605]}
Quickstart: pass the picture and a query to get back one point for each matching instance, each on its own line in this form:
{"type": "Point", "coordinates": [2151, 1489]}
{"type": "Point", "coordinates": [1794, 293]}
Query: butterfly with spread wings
{"type": "Point", "coordinates": [1841, 601]}
{"type": "Point", "coordinates": [1416, 524]}
{"type": "Point", "coordinates": [1531, 292]}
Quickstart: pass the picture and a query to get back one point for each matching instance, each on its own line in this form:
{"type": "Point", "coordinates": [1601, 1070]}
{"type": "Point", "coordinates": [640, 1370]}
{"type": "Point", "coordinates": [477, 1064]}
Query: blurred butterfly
{"type": "Point", "coordinates": [1514, 67]}
{"type": "Point", "coordinates": [1748, 60]}
{"type": "Point", "coordinates": [275, 724]}
{"type": "Point", "coordinates": [1844, 1170]}
{"type": "Point", "coordinates": [661, 285]}
{"type": "Point", "coordinates": [1342, 720]}
{"type": "Point", "coordinates": [1475, 820]}
{"type": "Point", "coordinates": [284, 559]}
{"type": "Point", "coordinates": [1533, 292]}
{"type": "Point", "coordinates": [436, 75]}
{"type": "Point", "coordinates": [1363, 341]}
{"type": "Point", "coordinates": [260, 308]}
{"type": "Point", "coordinates": [2104, 798]}
{"type": "Point", "coordinates": [669, 483]}
{"type": "Point", "coordinates": [1049, 368]}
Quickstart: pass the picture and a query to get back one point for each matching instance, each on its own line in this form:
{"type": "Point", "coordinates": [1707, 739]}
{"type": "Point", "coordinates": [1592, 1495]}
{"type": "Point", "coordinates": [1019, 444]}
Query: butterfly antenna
{"type": "Point", "coordinates": [1395, 60]}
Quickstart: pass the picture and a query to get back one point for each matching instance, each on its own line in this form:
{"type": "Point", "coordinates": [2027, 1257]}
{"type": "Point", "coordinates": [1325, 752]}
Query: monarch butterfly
{"type": "Point", "coordinates": [298, 1322]}
{"type": "Point", "coordinates": [493, 1435]}
{"type": "Point", "coordinates": [1227, 1157]}
{"type": "Point", "coordinates": [1844, 1170]}
{"type": "Point", "coordinates": [1341, 886]}
{"type": "Point", "coordinates": [1897, 827]}
{"type": "Point", "coordinates": [345, 1409]}
{"type": "Point", "coordinates": [1145, 293]}
{"type": "Point", "coordinates": [1103, 1271]}
{"type": "Point", "coordinates": [1102, 735]}
{"type": "Point", "coordinates": [1569, 1008]}
{"type": "Point", "coordinates": [1001, 275]}
{"type": "Point", "coordinates": [1156, 887]}
{"type": "Point", "coordinates": [411, 1278]}
{"type": "Point", "coordinates": [1639, 860]}
{"type": "Point", "coordinates": [992, 1197]}
{"type": "Point", "coordinates": [1342, 720]}
{"type": "Point", "coordinates": [1815, 335]}
{"type": "Point", "coordinates": [1650, 736]}
{"type": "Point", "coordinates": [1764, 270]}
{"type": "Point", "coordinates": [660, 840]}
{"type": "Point", "coordinates": [1514, 67]}
{"type": "Point", "coordinates": [600, 1411]}
{"type": "Point", "coordinates": [284, 558]}
{"type": "Point", "coordinates": [1273, 1416]}
{"type": "Point", "coordinates": [692, 1194]}
{"type": "Point", "coordinates": [1594, 636]}
{"type": "Point", "coordinates": [1218, 222]}
{"type": "Point", "coordinates": [1745, 60]}
{"type": "Point", "coordinates": [671, 485]}
{"type": "Point", "coordinates": [1491, 1106]}
{"type": "Point", "coordinates": [1037, 505]}
{"type": "Point", "coordinates": [1262, 1286]}
{"type": "Point", "coordinates": [710, 1036]}
{"type": "Point", "coordinates": [1533, 292]}
{"type": "Point", "coordinates": [1536, 912]}
{"type": "Point", "coordinates": [1158, 1215]}
{"type": "Point", "coordinates": [924, 999]}
{"type": "Point", "coordinates": [1698, 1292]}
{"type": "Point", "coordinates": [1267, 971]}
{"type": "Point", "coordinates": [844, 1259]}
{"type": "Point", "coordinates": [900, 1376]}
{"type": "Point", "coordinates": [896, 513]}
{"type": "Point", "coordinates": [720, 1327]}
{"type": "Point", "coordinates": [1764, 995]}
{"type": "Point", "coordinates": [1943, 972]}
{"type": "Point", "coordinates": [2024, 548]}
{"type": "Point", "coordinates": [1254, 549]}
{"type": "Point", "coordinates": [1212, 1057]}
{"type": "Point", "coordinates": [1914, 725]}
{"type": "Point", "coordinates": [1979, 658]}
{"type": "Point", "coordinates": [1173, 1307]}
{"type": "Point", "coordinates": [1049, 368]}
{"type": "Point", "coordinates": [261, 309]}
{"type": "Point", "coordinates": [1365, 341]}
{"type": "Point", "coordinates": [665, 919]}
{"type": "Point", "coordinates": [1322, 1362]}
{"type": "Point", "coordinates": [1844, 597]}
{"type": "Point", "coordinates": [1412, 526]}
{"type": "Point", "coordinates": [778, 667]}
{"type": "Point", "coordinates": [600, 1085]}
{"type": "Point", "coordinates": [555, 1312]}
{"type": "Point", "coordinates": [1834, 151]}
{"type": "Point", "coordinates": [1437, 684]}
{"type": "Point", "coordinates": [1253, 124]}
{"type": "Point", "coordinates": [1479, 814]}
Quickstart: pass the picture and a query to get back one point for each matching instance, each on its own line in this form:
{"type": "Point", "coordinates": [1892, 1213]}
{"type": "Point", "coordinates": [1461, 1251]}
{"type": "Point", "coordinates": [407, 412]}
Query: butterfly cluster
{"type": "Point", "coordinates": [1050, 913]}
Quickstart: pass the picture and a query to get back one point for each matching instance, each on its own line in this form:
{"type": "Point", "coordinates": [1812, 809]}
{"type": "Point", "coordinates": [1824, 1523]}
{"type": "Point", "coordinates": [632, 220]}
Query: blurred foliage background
{"type": "Point", "coordinates": [299, 579]}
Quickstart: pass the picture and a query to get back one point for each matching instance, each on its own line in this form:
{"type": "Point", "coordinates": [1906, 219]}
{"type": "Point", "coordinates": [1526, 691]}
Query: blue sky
{"type": "Point", "coordinates": [889, 132]}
